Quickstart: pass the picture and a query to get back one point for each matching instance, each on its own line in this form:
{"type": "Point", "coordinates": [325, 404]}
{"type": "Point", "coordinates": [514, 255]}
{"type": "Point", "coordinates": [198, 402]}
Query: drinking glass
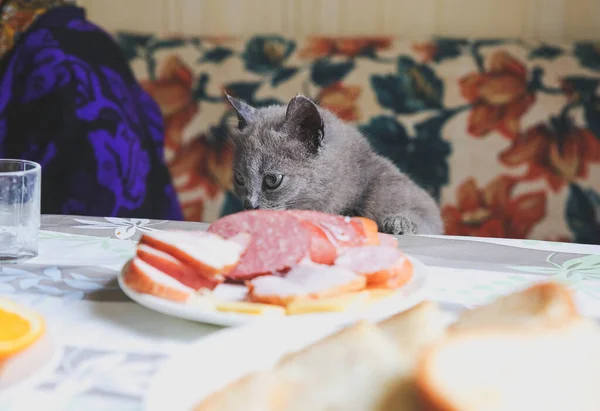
{"type": "Point", "coordinates": [20, 192]}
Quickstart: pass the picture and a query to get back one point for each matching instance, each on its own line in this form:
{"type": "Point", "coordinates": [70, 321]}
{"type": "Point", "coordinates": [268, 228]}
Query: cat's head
{"type": "Point", "coordinates": [275, 151]}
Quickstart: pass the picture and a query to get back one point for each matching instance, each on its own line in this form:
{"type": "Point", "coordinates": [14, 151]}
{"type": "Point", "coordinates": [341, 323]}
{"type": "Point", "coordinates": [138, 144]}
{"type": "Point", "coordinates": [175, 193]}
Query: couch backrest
{"type": "Point", "coordinates": [505, 134]}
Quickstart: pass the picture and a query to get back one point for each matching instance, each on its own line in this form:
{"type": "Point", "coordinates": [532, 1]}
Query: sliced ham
{"type": "Point", "coordinates": [143, 278]}
{"type": "Point", "coordinates": [181, 272]}
{"type": "Point", "coordinates": [368, 228]}
{"type": "Point", "coordinates": [278, 241]}
{"type": "Point", "coordinates": [393, 283]}
{"type": "Point", "coordinates": [209, 254]}
{"type": "Point", "coordinates": [387, 239]}
{"type": "Point", "coordinates": [382, 266]}
{"type": "Point", "coordinates": [310, 281]}
{"type": "Point", "coordinates": [321, 251]}
{"type": "Point", "coordinates": [342, 232]}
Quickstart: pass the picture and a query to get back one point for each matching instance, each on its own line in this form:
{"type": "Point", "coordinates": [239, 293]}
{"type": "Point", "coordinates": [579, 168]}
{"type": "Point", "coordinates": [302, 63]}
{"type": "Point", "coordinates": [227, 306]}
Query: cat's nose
{"type": "Point", "coordinates": [249, 205]}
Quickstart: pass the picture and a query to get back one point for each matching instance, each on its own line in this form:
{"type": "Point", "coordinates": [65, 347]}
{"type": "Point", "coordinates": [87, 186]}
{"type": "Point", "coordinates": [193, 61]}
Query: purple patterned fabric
{"type": "Point", "coordinates": [69, 101]}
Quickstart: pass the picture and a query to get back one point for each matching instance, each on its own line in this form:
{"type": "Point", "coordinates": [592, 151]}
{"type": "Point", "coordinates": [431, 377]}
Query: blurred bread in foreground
{"type": "Point", "coordinates": [539, 305]}
{"type": "Point", "coordinates": [525, 351]}
{"type": "Point", "coordinates": [416, 328]}
{"type": "Point", "coordinates": [358, 356]}
{"type": "Point", "coordinates": [555, 368]}
{"type": "Point", "coordinates": [253, 392]}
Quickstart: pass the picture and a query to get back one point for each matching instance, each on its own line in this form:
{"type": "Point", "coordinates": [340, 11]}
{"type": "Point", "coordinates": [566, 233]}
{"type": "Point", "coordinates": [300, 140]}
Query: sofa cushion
{"type": "Point", "coordinates": [504, 134]}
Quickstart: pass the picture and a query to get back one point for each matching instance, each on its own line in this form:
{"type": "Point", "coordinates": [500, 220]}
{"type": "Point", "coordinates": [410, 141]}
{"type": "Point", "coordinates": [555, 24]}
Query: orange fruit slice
{"type": "Point", "coordinates": [19, 328]}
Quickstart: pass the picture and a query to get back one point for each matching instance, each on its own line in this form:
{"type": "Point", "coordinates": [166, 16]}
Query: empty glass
{"type": "Point", "coordinates": [20, 185]}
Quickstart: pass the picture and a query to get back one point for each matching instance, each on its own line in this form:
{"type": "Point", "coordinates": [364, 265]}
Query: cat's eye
{"type": "Point", "coordinates": [239, 178]}
{"type": "Point", "coordinates": [272, 181]}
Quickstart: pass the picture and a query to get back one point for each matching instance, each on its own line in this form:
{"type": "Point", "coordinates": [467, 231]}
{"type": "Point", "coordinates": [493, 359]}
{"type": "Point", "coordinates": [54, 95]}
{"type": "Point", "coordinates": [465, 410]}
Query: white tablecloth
{"type": "Point", "coordinates": [110, 347]}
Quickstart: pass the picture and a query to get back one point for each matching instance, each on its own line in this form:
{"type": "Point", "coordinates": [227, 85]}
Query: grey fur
{"type": "Point", "coordinates": [327, 165]}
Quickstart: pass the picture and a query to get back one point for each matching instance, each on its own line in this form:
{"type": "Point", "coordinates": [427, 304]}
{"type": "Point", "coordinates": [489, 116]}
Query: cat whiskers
{"type": "Point", "coordinates": [292, 205]}
{"type": "Point", "coordinates": [275, 208]}
{"type": "Point", "coordinates": [231, 140]}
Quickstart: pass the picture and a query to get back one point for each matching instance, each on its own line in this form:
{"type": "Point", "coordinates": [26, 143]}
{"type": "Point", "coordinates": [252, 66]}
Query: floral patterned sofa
{"type": "Point", "coordinates": [504, 133]}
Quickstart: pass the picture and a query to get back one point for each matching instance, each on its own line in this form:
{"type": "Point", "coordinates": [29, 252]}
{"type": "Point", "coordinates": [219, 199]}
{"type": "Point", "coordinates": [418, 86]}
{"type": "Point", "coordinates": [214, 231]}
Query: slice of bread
{"type": "Point", "coordinates": [356, 369]}
{"type": "Point", "coordinates": [538, 305]}
{"type": "Point", "coordinates": [254, 392]}
{"type": "Point", "coordinates": [415, 329]}
{"type": "Point", "coordinates": [526, 351]}
{"type": "Point", "coordinates": [551, 368]}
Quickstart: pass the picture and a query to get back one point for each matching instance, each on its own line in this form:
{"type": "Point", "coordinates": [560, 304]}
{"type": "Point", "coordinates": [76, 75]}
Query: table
{"type": "Point", "coordinates": [111, 346]}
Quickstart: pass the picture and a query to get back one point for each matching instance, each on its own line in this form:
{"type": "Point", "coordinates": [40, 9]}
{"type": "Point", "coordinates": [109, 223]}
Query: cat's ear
{"type": "Point", "coordinates": [245, 112]}
{"type": "Point", "coordinates": [304, 121]}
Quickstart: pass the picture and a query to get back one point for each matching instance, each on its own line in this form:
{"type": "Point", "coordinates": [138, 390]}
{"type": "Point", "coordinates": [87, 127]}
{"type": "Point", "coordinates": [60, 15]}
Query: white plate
{"type": "Point", "coordinates": [220, 358]}
{"type": "Point", "coordinates": [406, 297]}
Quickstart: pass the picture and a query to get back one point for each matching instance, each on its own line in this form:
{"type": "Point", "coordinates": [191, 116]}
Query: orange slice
{"type": "Point", "coordinates": [19, 328]}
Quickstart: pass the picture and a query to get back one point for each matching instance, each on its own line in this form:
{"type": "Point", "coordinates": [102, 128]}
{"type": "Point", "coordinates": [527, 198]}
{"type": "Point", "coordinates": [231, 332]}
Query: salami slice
{"type": "Point", "coordinates": [180, 271]}
{"type": "Point", "coordinates": [278, 241]}
{"type": "Point", "coordinates": [382, 266]}
{"type": "Point", "coordinates": [342, 232]}
{"type": "Point", "coordinates": [322, 251]}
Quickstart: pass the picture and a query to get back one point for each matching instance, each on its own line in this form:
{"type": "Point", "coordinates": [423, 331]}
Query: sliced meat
{"type": "Point", "coordinates": [387, 239]}
{"type": "Point", "coordinates": [332, 234]}
{"type": "Point", "coordinates": [209, 254]}
{"type": "Point", "coordinates": [342, 232]}
{"type": "Point", "coordinates": [394, 282]}
{"type": "Point", "coordinates": [382, 266]}
{"type": "Point", "coordinates": [368, 228]}
{"type": "Point", "coordinates": [278, 241]}
{"type": "Point", "coordinates": [143, 278]}
{"type": "Point", "coordinates": [243, 239]}
{"type": "Point", "coordinates": [322, 251]}
{"type": "Point", "coordinates": [310, 281]}
{"type": "Point", "coordinates": [181, 272]}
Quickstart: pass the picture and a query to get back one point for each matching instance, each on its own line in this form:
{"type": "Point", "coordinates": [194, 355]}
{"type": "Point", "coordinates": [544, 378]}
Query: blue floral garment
{"type": "Point", "coordinates": [69, 101]}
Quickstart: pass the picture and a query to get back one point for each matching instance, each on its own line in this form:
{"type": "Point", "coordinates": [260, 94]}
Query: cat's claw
{"type": "Point", "coordinates": [399, 225]}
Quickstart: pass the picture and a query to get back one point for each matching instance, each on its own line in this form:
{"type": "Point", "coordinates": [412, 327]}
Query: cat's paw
{"type": "Point", "coordinates": [399, 225]}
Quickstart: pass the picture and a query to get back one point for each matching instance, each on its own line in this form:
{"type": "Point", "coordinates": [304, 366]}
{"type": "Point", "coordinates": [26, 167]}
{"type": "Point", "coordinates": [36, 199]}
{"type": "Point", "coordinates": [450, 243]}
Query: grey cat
{"type": "Point", "coordinates": [303, 157]}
